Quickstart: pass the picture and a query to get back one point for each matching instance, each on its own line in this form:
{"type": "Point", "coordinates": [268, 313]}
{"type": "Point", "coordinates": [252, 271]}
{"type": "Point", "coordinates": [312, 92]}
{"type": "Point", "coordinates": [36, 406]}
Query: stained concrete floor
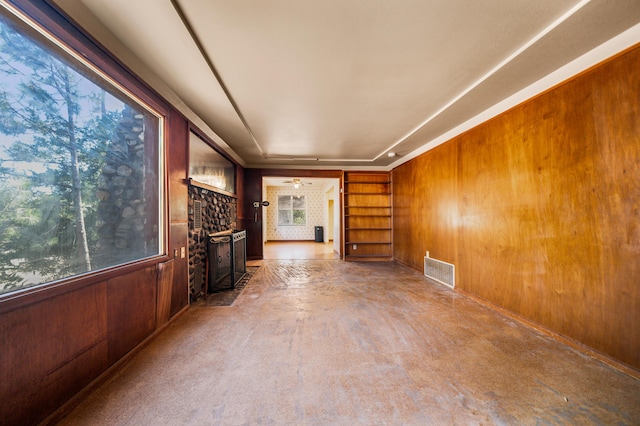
{"type": "Point", "coordinates": [329, 342]}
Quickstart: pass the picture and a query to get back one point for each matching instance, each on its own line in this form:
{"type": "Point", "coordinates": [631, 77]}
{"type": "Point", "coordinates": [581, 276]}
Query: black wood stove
{"type": "Point", "coordinates": [227, 259]}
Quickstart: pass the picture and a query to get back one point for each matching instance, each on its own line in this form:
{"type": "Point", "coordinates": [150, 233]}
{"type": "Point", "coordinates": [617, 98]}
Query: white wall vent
{"type": "Point", "coordinates": [197, 215]}
{"type": "Point", "coordinates": [443, 272]}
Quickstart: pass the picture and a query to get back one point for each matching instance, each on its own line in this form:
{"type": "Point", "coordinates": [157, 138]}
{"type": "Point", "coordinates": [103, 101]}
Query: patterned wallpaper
{"type": "Point", "coordinates": [315, 213]}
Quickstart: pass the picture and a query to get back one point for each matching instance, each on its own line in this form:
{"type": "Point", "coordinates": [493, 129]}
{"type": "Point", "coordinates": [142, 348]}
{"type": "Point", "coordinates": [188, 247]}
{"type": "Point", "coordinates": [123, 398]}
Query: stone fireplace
{"type": "Point", "coordinates": [218, 213]}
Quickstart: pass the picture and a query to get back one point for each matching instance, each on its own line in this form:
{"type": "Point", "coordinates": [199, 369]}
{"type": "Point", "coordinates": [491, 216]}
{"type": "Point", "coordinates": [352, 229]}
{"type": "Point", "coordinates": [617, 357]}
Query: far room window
{"type": "Point", "coordinates": [80, 164]}
{"type": "Point", "coordinates": [292, 210]}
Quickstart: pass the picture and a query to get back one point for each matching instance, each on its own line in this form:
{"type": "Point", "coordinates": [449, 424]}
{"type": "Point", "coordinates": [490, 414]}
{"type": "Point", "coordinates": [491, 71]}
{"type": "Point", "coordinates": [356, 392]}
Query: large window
{"type": "Point", "coordinates": [79, 165]}
{"type": "Point", "coordinates": [292, 210]}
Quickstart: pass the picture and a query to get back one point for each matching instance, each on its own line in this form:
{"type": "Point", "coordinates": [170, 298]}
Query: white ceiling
{"type": "Point", "coordinates": [310, 183]}
{"type": "Point", "coordinates": [340, 83]}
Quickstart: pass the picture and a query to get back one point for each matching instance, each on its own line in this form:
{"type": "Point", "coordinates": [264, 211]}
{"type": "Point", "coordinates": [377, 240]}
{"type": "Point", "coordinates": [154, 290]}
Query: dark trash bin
{"type": "Point", "coordinates": [319, 234]}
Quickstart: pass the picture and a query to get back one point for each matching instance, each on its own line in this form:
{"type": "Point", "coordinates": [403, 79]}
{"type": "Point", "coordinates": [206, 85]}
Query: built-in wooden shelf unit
{"type": "Point", "coordinates": [368, 216]}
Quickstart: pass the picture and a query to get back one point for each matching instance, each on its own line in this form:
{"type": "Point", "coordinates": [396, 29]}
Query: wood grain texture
{"type": "Point", "coordinates": [131, 304]}
{"type": "Point", "coordinates": [252, 192]}
{"type": "Point", "coordinates": [177, 169]}
{"type": "Point", "coordinates": [165, 281]}
{"type": "Point", "coordinates": [368, 216]}
{"type": "Point", "coordinates": [49, 351]}
{"type": "Point", "coordinates": [539, 209]}
{"type": "Point", "coordinates": [241, 200]}
{"type": "Point", "coordinates": [177, 159]}
{"type": "Point", "coordinates": [180, 281]}
{"type": "Point", "coordinates": [425, 208]}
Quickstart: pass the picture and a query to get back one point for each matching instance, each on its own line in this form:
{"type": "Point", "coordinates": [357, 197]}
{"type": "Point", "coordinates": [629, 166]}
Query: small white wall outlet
{"type": "Point", "coordinates": [355, 247]}
{"type": "Point", "coordinates": [183, 252]}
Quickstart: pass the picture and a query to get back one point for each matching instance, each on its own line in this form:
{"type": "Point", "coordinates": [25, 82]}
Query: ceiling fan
{"type": "Point", "coordinates": [297, 183]}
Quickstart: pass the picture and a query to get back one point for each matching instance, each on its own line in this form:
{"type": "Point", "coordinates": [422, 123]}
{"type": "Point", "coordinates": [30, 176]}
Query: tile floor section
{"type": "Point", "coordinates": [227, 297]}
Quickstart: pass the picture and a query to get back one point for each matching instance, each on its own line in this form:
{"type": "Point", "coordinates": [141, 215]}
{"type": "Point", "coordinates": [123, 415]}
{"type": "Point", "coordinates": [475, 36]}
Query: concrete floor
{"type": "Point", "coordinates": [330, 342]}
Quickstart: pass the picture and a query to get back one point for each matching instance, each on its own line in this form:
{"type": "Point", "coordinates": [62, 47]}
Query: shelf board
{"type": "Point", "coordinates": [368, 207]}
{"type": "Point", "coordinates": [367, 215]}
{"type": "Point", "coordinates": [367, 193]}
{"type": "Point", "coordinates": [386, 182]}
{"type": "Point", "coordinates": [367, 242]}
{"type": "Point", "coordinates": [367, 229]}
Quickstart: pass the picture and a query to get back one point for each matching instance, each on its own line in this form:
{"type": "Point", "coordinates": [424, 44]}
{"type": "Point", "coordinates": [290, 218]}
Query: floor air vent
{"type": "Point", "coordinates": [443, 272]}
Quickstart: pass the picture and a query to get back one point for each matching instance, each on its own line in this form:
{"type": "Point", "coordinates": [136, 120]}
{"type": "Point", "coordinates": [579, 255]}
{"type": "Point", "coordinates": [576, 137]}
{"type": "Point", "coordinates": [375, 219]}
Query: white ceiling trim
{"type": "Point", "coordinates": [619, 43]}
{"type": "Point", "coordinates": [214, 72]}
{"type": "Point", "coordinates": [498, 67]}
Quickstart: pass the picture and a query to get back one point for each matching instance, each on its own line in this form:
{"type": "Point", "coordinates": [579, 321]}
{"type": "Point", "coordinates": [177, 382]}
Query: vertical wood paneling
{"type": "Point", "coordinates": [177, 168]}
{"type": "Point", "coordinates": [165, 281]}
{"type": "Point", "coordinates": [131, 304]}
{"type": "Point", "coordinates": [538, 208]}
{"type": "Point", "coordinates": [424, 212]}
{"type": "Point", "coordinates": [50, 350]}
{"type": "Point", "coordinates": [180, 282]}
{"type": "Point", "coordinates": [240, 188]}
{"type": "Point", "coordinates": [616, 103]}
{"type": "Point", "coordinates": [252, 192]}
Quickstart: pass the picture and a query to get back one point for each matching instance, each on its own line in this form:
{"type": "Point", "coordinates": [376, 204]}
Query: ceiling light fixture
{"type": "Point", "coordinates": [391, 154]}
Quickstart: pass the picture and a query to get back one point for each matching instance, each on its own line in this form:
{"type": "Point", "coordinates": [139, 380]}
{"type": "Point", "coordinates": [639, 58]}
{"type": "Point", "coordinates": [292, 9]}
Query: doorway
{"type": "Point", "coordinates": [318, 201]}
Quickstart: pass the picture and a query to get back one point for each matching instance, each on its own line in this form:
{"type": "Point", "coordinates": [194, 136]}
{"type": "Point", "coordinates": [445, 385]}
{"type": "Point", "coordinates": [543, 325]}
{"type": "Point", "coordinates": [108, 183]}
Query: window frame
{"type": "Point", "coordinates": [47, 20]}
{"type": "Point", "coordinates": [291, 209]}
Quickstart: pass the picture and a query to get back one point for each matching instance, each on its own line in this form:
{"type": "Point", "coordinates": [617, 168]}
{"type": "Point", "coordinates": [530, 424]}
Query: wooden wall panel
{"type": "Point", "coordinates": [180, 283]}
{"type": "Point", "coordinates": [49, 351]}
{"type": "Point", "coordinates": [252, 190]}
{"type": "Point", "coordinates": [241, 200]}
{"type": "Point", "coordinates": [539, 209]}
{"type": "Point", "coordinates": [177, 166]}
{"type": "Point", "coordinates": [165, 282]}
{"type": "Point", "coordinates": [616, 103]}
{"type": "Point", "coordinates": [424, 207]}
{"type": "Point", "coordinates": [131, 304]}
{"type": "Point", "coordinates": [177, 170]}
